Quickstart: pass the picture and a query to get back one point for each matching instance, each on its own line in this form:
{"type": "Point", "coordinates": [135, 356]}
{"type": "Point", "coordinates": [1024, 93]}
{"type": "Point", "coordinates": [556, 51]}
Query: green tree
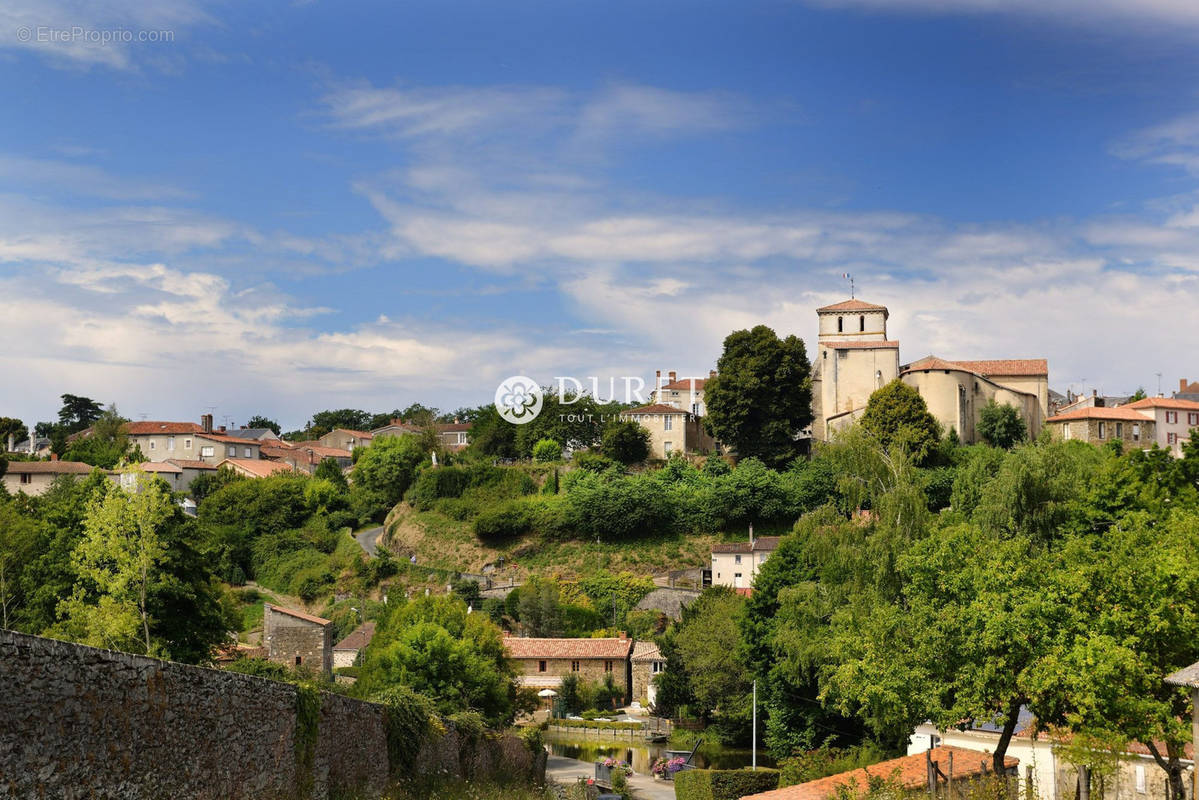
{"type": "Point", "coordinates": [1001, 425]}
{"type": "Point", "coordinates": [1139, 394]}
{"type": "Point", "coordinates": [761, 397]}
{"type": "Point", "coordinates": [709, 647]}
{"type": "Point", "coordinates": [897, 416]}
{"type": "Point", "coordinates": [106, 446]}
{"type": "Point", "coordinates": [433, 646]}
{"type": "Point", "coordinates": [78, 412]}
{"type": "Point", "coordinates": [12, 427]}
{"type": "Point", "coordinates": [330, 470]}
{"type": "Point", "coordinates": [492, 435]}
{"type": "Point", "coordinates": [626, 441]}
{"type": "Point", "coordinates": [20, 537]}
{"type": "Point", "coordinates": [547, 450]}
{"type": "Point", "coordinates": [388, 467]}
{"type": "Point", "coordinates": [118, 560]}
{"type": "Point", "coordinates": [259, 421]}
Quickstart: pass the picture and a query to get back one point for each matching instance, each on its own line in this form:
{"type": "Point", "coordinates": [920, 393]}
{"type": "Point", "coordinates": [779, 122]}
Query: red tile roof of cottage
{"type": "Point", "coordinates": [767, 542]}
{"type": "Point", "coordinates": [358, 638]}
{"type": "Point", "coordinates": [851, 305]}
{"type": "Point", "coordinates": [356, 434]}
{"type": "Point", "coordinates": [452, 427]}
{"type": "Point", "coordinates": [291, 612]}
{"type": "Point", "coordinates": [646, 651]}
{"type": "Point", "coordinates": [150, 428]}
{"type": "Point", "coordinates": [910, 771]}
{"type": "Point", "coordinates": [159, 466]}
{"type": "Point", "coordinates": [323, 451]}
{"type": "Point", "coordinates": [657, 408]}
{"type": "Point", "coordinates": [685, 384]}
{"type": "Point", "coordinates": [50, 468]}
{"type": "Point", "coordinates": [732, 547]}
{"type": "Point", "coordinates": [1163, 402]}
{"type": "Point", "coordinates": [1102, 412]}
{"type": "Point", "coordinates": [257, 467]}
{"type": "Point", "coordinates": [523, 647]}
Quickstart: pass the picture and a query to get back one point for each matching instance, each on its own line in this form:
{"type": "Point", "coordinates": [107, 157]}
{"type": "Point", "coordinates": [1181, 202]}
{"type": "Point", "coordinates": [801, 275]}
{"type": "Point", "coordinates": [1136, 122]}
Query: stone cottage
{"type": "Point", "coordinates": [296, 639]}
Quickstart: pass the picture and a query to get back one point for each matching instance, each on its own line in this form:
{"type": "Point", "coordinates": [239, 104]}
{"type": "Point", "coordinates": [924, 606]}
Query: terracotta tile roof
{"type": "Point", "coordinates": [150, 427]}
{"type": "Point", "coordinates": [866, 345]}
{"type": "Point", "coordinates": [1008, 366]}
{"type": "Point", "coordinates": [770, 543]}
{"type": "Point", "coordinates": [732, 547]}
{"type": "Point", "coordinates": [355, 434]}
{"type": "Point", "coordinates": [685, 384]}
{"type": "Point", "coordinates": [227, 439]}
{"type": "Point", "coordinates": [1164, 402]}
{"type": "Point", "coordinates": [191, 464]}
{"type": "Point", "coordinates": [268, 451]}
{"type": "Point", "coordinates": [357, 639]}
{"type": "Point", "coordinates": [911, 772]}
{"type": "Point", "coordinates": [931, 362]}
{"type": "Point", "coordinates": [257, 467]}
{"type": "Point", "coordinates": [320, 451]}
{"type": "Point", "coordinates": [50, 468]}
{"type": "Point", "coordinates": [851, 305]}
{"type": "Point", "coordinates": [291, 612]}
{"type": "Point", "coordinates": [452, 427]}
{"type": "Point", "coordinates": [657, 408]}
{"type": "Point", "coordinates": [159, 466]}
{"type": "Point", "coordinates": [522, 647]}
{"type": "Point", "coordinates": [744, 591]}
{"type": "Point", "coordinates": [1102, 412]}
{"type": "Point", "coordinates": [646, 651]}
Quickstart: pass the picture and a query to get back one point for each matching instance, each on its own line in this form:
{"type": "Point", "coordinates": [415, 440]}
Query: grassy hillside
{"type": "Point", "coordinates": [445, 543]}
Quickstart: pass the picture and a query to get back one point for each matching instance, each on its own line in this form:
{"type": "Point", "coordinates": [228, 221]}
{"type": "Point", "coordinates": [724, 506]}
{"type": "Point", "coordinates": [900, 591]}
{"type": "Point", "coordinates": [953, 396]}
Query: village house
{"type": "Point", "coordinates": [344, 439]}
{"type": "Point", "coordinates": [163, 441]}
{"type": "Point", "coordinates": [1100, 425]}
{"type": "Point", "coordinates": [305, 456]}
{"type": "Point", "coordinates": [671, 430]}
{"type": "Point", "coordinates": [542, 663]}
{"type": "Point", "coordinates": [1046, 774]}
{"type": "Point", "coordinates": [349, 650]}
{"type": "Point", "coordinates": [1173, 420]}
{"type": "Point", "coordinates": [912, 772]}
{"type": "Point", "coordinates": [736, 564]}
{"type": "Point", "coordinates": [296, 639]}
{"type": "Point", "coordinates": [264, 435]}
{"type": "Point", "coordinates": [38, 446]}
{"type": "Point", "coordinates": [166, 471]}
{"type": "Point", "coordinates": [34, 477]}
{"type": "Point", "coordinates": [648, 662]}
{"type": "Point", "coordinates": [453, 435]}
{"type": "Point", "coordinates": [854, 358]}
{"type": "Point", "coordinates": [397, 427]}
{"type": "Point", "coordinates": [191, 469]}
{"type": "Point", "coordinates": [687, 394]}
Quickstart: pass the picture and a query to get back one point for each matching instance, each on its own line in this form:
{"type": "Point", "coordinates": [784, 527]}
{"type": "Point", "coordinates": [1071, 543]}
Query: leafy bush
{"type": "Point", "coordinates": [733, 784]}
{"type": "Point", "coordinates": [547, 450]}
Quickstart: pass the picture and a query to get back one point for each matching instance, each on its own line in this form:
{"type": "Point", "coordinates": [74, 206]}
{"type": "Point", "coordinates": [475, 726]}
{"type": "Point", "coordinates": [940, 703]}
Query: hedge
{"type": "Point", "coordinates": [723, 784]}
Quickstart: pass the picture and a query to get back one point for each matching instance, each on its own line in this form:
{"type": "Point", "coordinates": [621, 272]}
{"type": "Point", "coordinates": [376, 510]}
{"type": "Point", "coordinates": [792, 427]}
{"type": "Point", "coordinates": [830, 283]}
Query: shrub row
{"type": "Point", "coordinates": [715, 784]}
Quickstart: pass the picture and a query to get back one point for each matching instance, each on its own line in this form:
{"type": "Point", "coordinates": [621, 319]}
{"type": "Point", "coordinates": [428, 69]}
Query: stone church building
{"type": "Point", "coordinates": [854, 357]}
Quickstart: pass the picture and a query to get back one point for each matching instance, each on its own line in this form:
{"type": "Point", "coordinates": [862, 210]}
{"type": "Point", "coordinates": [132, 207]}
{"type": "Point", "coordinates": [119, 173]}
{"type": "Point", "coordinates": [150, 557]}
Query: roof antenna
{"type": "Point", "coordinates": [849, 278]}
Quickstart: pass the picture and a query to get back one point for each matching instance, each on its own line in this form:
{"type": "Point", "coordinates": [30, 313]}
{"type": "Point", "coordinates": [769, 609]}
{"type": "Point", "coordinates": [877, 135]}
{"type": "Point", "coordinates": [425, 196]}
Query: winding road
{"type": "Point", "coordinates": [369, 539]}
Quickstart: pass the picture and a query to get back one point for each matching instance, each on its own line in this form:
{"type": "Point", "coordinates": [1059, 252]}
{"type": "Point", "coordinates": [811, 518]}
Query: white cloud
{"type": "Point", "coordinates": [38, 174]}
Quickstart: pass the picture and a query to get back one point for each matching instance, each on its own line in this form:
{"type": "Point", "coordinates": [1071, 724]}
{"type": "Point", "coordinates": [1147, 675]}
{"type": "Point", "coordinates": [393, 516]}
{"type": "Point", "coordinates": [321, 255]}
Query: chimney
{"type": "Point", "coordinates": [54, 456]}
{"type": "Point", "coordinates": [243, 427]}
{"type": "Point", "coordinates": [751, 534]}
{"type": "Point", "coordinates": [1094, 393]}
{"type": "Point", "coordinates": [221, 429]}
{"type": "Point", "coordinates": [674, 376]}
{"type": "Point", "coordinates": [206, 423]}
{"type": "Point", "coordinates": [623, 635]}
{"type": "Point", "coordinates": [397, 421]}
{"type": "Point", "coordinates": [1182, 387]}
{"type": "Point", "coordinates": [658, 375]}
{"type": "Point", "coordinates": [12, 442]}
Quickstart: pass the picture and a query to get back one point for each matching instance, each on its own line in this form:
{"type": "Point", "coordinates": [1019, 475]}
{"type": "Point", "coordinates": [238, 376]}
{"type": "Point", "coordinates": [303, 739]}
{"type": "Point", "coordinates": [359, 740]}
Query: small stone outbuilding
{"type": "Point", "coordinates": [296, 639]}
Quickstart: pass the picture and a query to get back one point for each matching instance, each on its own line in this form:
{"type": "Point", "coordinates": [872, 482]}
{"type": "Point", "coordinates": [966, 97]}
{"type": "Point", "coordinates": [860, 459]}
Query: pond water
{"type": "Point", "coordinates": [641, 755]}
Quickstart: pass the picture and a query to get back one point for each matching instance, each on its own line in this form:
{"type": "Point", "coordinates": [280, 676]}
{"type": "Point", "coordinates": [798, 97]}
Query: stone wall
{"type": "Point", "coordinates": [79, 722]}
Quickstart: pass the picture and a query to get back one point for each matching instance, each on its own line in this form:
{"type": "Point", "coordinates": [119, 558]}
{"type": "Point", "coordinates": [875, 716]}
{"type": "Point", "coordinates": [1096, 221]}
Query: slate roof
{"type": "Point", "coordinates": [527, 647]}
{"type": "Point", "coordinates": [911, 772]}
{"type": "Point", "coordinates": [249, 433]}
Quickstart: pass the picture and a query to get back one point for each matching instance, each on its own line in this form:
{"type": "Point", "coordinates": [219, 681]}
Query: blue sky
{"type": "Point", "coordinates": [371, 204]}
